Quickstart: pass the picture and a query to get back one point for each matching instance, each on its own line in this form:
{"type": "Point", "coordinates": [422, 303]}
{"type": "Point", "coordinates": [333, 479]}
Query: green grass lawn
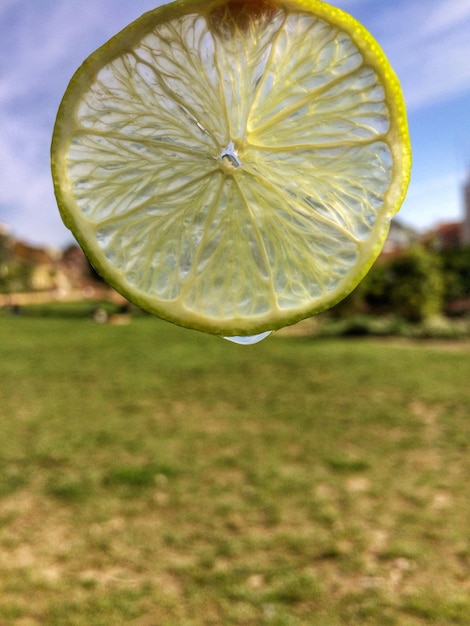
{"type": "Point", "coordinates": [154, 476]}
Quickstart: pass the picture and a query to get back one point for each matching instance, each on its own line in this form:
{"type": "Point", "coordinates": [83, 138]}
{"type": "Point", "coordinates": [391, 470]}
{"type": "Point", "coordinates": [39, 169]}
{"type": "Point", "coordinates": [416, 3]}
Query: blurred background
{"type": "Point", "coordinates": [155, 476]}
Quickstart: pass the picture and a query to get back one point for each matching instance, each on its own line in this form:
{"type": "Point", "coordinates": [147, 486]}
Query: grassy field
{"type": "Point", "coordinates": [154, 476]}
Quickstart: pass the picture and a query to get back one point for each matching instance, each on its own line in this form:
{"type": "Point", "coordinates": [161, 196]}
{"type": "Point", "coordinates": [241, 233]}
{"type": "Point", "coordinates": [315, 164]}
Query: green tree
{"type": "Point", "coordinates": [416, 284]}
{"type": "Point", "coordinates": [5, 260]}
{"type": "Point", "coordinates": [372, 293]}
{"type": "Point", "coordinates": [377, 287]}
{"type": "Point", "coordinates": [14, 275]}
{"type": "Point", "coordinates": [456, 271]}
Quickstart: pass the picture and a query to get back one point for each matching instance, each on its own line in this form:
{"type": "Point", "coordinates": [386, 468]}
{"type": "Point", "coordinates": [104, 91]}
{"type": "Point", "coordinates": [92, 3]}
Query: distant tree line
{"type": "Point", "coordinates": [416, 284]}
{"type": "Point", "coordinates": [24, 268]}
{"type": "Point", "coordinates": [14, 274]}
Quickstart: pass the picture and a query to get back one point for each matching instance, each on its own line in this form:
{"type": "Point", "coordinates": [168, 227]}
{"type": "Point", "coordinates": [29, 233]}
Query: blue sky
{"type": "Point", "coordinates": [42, 42]}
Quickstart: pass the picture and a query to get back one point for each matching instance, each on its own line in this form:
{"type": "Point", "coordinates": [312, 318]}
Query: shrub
{"type": "Point", "coordinates": [456, 273]}
{"type": "Point", "coordinates": [416, 284]}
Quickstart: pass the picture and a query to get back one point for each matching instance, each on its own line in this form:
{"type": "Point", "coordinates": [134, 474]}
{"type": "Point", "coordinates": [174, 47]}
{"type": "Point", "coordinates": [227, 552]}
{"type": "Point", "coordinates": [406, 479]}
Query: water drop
{"type": "Point", "coordinates": [249, 340]}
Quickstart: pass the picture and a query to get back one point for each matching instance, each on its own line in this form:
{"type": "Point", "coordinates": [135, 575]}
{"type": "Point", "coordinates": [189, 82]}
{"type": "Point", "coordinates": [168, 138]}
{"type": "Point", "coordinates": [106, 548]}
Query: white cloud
{"type": "Point", "coordinates": [446, 15]}
{"type": "Point", "coordinates": [435, 184]}
{"type": "Point", "coordinates": [434, 200]}
{"type": "Point", "coordinates": [428, 44]}
{"type": "Point", "coordinates": [346, 5]}
{"type": "Point", "coordinates": [27, 195]}
{"type": "Point", "coordinates": [41, 45]}
{"type": "Point", "coordinates": [6, 5]}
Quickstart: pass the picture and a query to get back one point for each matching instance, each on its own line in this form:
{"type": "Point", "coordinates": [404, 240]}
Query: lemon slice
{"type": "Point", "coordinates": [233, 165]}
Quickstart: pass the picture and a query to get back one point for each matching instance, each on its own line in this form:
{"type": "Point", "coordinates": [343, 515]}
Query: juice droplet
{"type": "Point", "coordinates": [249, 340]}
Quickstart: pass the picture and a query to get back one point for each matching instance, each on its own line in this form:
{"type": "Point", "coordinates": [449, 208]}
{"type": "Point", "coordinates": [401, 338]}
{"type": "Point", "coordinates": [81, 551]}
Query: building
{"type": "Point", "coordinates": [400, 237]}
{"type": "Point", "coordinates": [447, 235]}
{"type": "Point", "coordinates": [453, 234]}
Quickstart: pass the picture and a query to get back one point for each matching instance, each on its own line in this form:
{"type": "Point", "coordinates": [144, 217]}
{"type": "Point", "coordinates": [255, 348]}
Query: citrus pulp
{"type": "Point", "coordinates": [233, 165]}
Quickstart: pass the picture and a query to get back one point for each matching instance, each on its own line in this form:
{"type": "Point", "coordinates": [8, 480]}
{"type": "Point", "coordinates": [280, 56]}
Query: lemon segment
{"type": "Point", "coordinates": [233, 166]}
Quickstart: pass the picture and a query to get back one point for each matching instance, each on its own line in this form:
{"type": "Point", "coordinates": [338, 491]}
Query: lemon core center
{"type": "Point", "coordinates": [229, 160]}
